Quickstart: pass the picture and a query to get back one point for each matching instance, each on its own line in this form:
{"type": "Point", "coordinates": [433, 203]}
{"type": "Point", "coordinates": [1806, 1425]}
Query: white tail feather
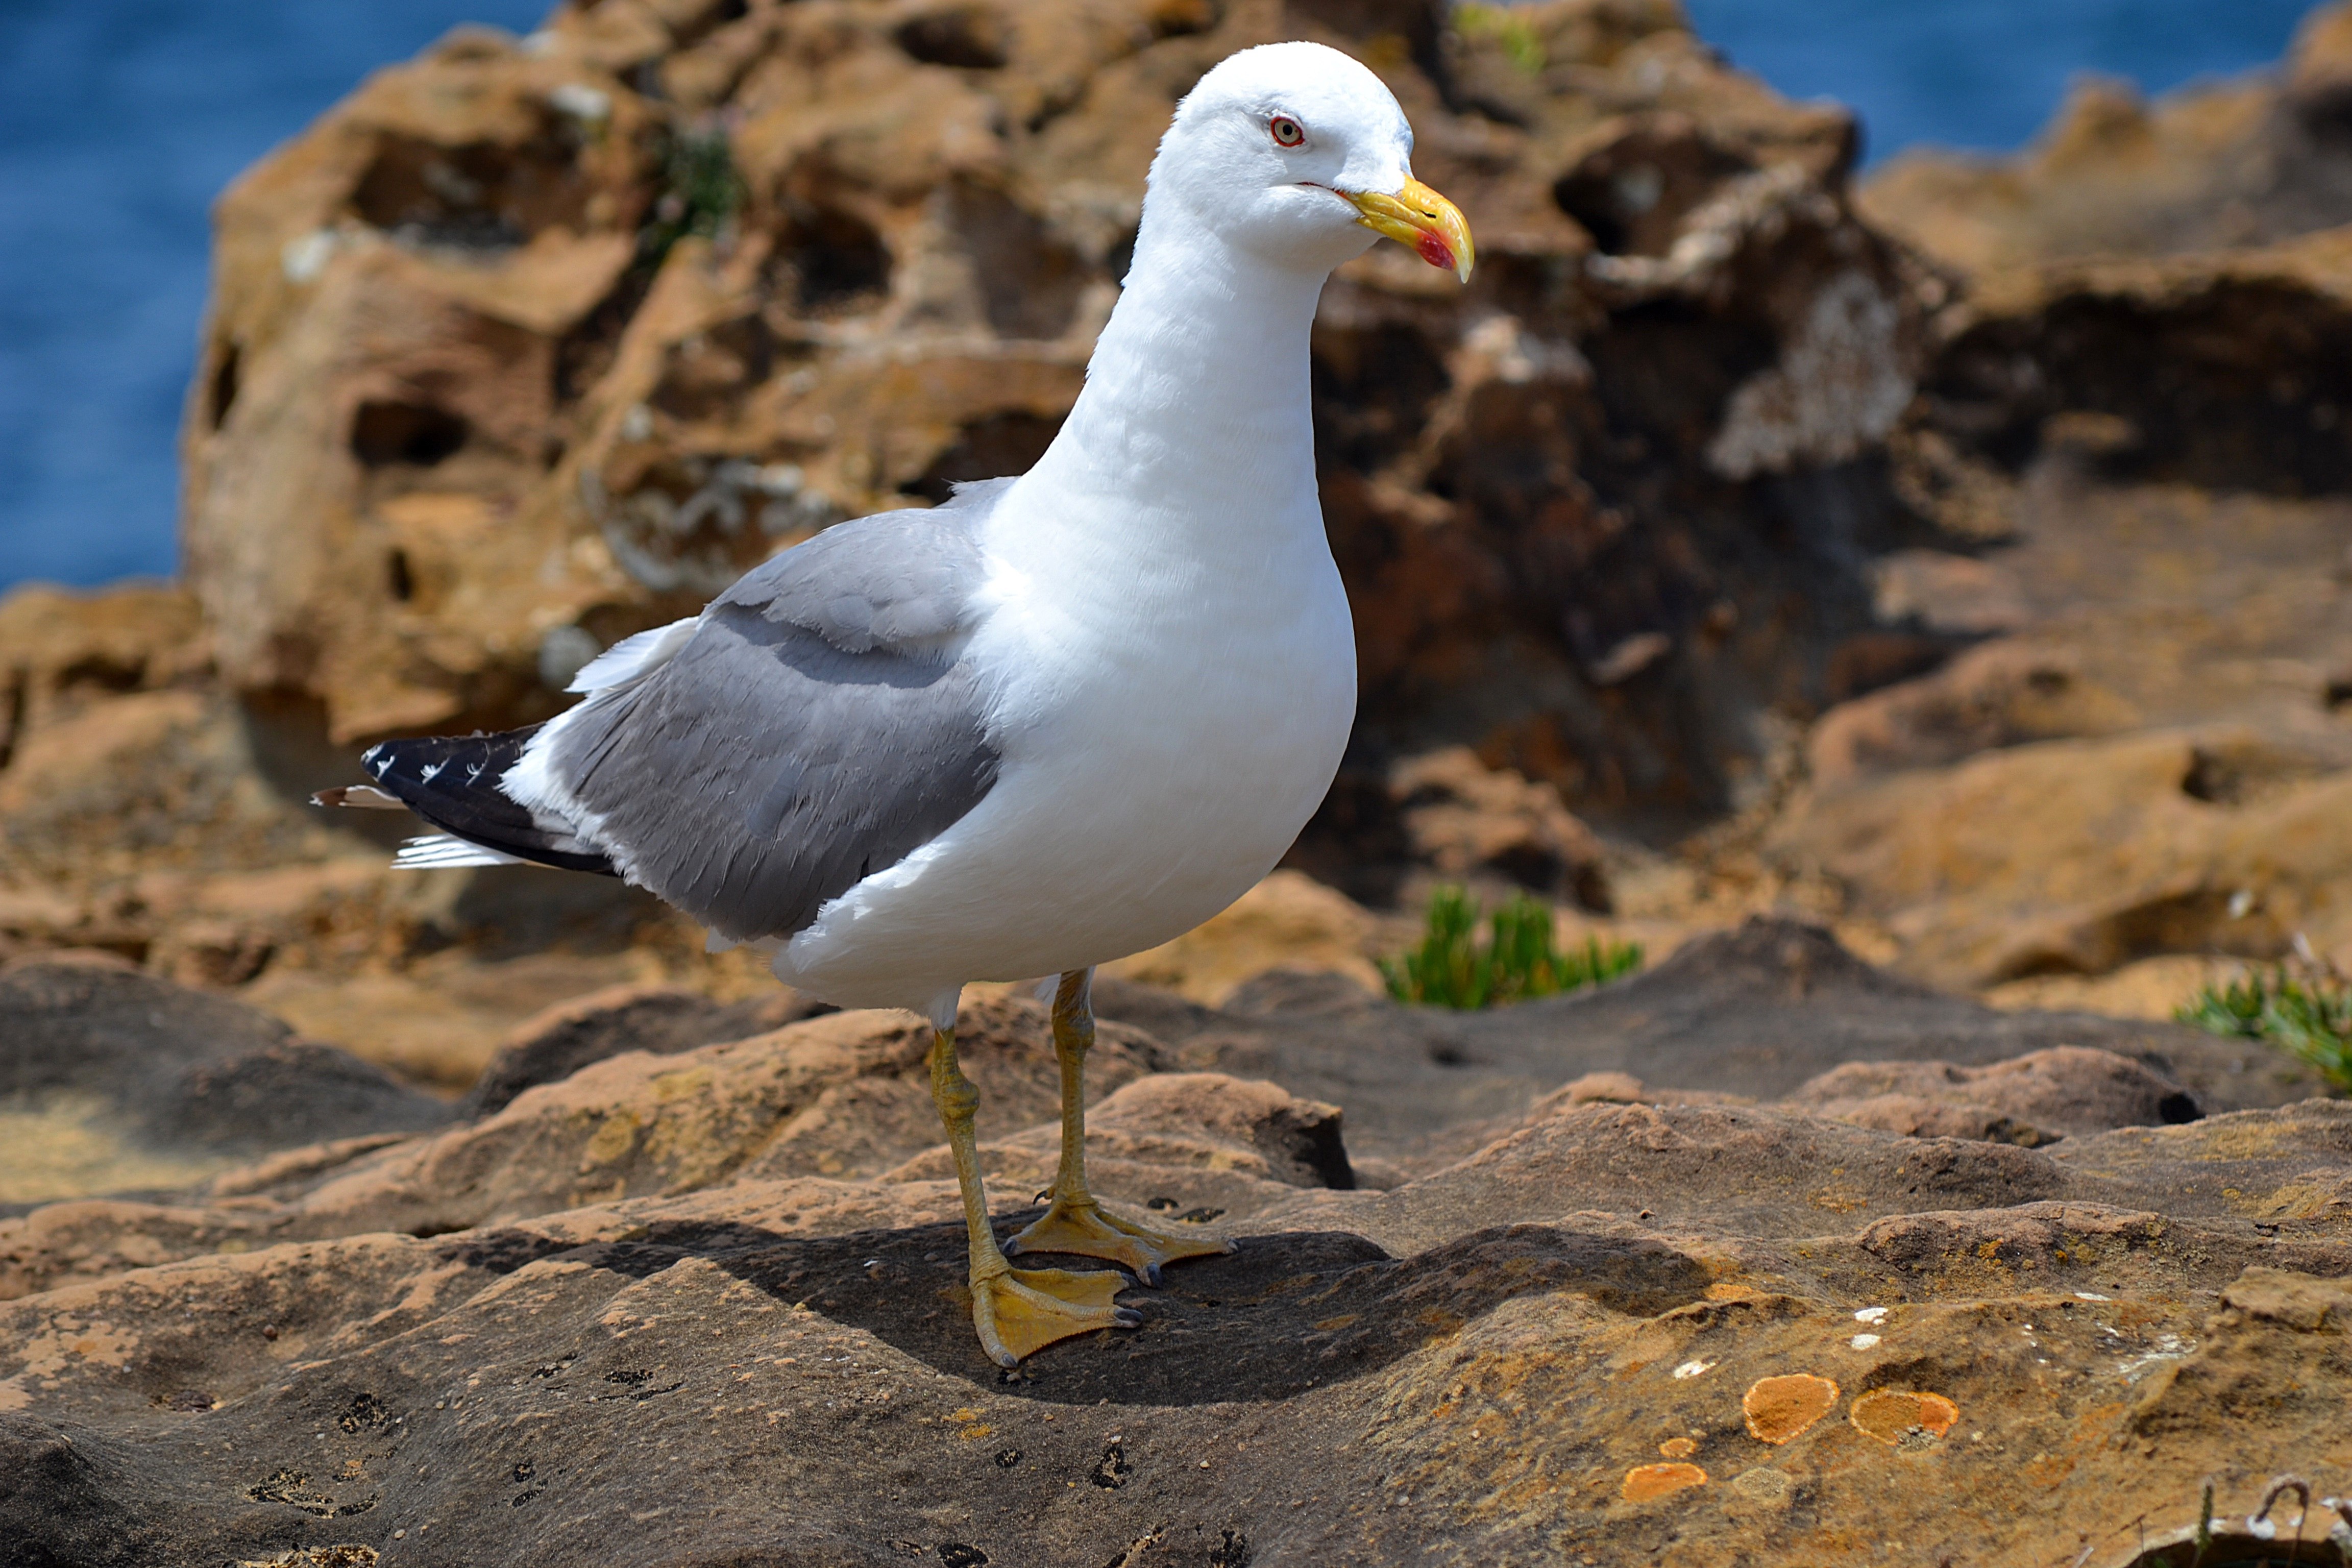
{"type": "Point", "coordinates": [437, 850]}
{"type": "Point", "coordinates": [633, 656]}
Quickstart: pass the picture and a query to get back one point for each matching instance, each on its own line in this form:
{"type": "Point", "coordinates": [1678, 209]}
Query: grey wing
{"type": "Point", "coordinates": [895, 577]}
{"type": "Point", "coordinates": [818, 726]}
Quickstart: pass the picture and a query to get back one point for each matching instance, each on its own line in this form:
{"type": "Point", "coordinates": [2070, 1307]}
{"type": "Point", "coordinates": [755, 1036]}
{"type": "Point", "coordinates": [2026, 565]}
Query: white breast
{"type": "Point", "coordinates": [1169, 720]}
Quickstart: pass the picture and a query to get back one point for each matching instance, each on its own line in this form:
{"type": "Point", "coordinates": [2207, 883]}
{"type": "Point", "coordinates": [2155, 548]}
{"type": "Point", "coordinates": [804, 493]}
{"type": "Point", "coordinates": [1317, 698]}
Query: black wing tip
{"type": "Point", "coordinates": [452, 781]}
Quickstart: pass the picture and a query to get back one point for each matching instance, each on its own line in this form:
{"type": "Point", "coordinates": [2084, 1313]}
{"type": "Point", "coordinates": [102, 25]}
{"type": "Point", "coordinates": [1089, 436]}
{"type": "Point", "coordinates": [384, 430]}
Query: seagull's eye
{"type": "Point", "coordinates": [1287, 132]}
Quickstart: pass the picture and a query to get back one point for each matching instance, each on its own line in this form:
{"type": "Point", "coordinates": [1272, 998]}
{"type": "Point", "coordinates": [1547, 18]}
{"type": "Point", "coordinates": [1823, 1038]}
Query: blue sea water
{"type": "Point", "coordinates": [119, 121]}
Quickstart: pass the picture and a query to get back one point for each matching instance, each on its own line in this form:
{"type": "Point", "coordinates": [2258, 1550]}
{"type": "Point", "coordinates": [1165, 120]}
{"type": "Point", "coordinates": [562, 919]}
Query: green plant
{"type": "Point", "coordinates": [1520, 43]}
{"type": "Point", "coordinates": [1450, 967]}
{"type": "Point", "coordinates": [701, 191]}
{"type": "Point", "coordinates": [2309, 1016]}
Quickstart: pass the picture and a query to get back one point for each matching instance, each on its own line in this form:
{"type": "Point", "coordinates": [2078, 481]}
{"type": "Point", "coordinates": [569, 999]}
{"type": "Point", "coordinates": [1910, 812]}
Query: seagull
{"type": "Point", "coordinates": [1062, 716]}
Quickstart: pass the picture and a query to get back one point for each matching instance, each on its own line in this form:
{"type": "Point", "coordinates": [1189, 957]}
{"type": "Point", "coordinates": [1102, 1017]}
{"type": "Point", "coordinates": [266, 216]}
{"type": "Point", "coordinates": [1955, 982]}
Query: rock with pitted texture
{"type": "Point", "coordinates": [2033, 1099]}
{"type": "Point", "coordinates": [1616, 1329]}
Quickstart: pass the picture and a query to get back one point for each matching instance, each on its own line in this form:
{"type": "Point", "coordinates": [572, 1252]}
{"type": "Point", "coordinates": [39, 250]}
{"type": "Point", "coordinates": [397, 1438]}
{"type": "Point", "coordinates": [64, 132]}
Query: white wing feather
{"type": "Point", "coordinates": [435, 851]}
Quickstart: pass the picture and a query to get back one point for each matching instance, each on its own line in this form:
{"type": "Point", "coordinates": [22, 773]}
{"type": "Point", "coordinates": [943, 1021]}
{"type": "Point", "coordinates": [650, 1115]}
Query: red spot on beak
{"type": "Point", "coordinates": [1433, 251]}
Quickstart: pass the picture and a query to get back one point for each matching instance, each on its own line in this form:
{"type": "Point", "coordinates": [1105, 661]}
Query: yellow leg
{"type": "Point", "coordinates": [1014, 1310]}
{"type": "Point", "coordinates": [1075, 1221]}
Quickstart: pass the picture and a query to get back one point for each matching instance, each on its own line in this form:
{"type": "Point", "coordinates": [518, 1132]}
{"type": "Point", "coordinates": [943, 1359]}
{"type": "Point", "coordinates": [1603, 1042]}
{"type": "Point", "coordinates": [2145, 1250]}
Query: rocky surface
{"type": "Point", "coordinates": [111, 1079]}
{"type": "Point", "coordinates": [701, 1305]}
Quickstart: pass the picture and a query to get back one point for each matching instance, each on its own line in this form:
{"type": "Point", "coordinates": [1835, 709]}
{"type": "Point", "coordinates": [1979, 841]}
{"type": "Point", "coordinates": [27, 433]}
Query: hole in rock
{"type": "Point", "coordinates": [1632, 195]}
{"type": "Point", "coordinates": [990, 447]}
{"type": "Point", "coordinates": [712, 371]}
{"type": "Point", "coordinates": [686, 32]}
{"type": "Point", "coordinates": [398, 577]}
{"type": "Point", "coordinates": [416, 434]}
{"type": "Point", "coordinates": [480, 196]}
{"type": "Point", "coordinates": [965, 37]}
{"type": "Point", "coordinates": [1373, 388]}
{"type": "Point", "coordinates": [2210, 779]}
{"type": "Point", "coordinates": [1030, 280]}
{"type": "Point", "coordinates": [830, 262]}
{"type": "Point", "coordinates": [224, 390]}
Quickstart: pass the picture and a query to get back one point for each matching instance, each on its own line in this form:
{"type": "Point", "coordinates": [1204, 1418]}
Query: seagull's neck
{"type": "Point", "coordinates": [1196, 397]}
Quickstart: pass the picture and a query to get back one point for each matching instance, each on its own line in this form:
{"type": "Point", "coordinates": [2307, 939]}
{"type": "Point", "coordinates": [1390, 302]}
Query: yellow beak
{"type": "Point", "coordinates": [1422, 219]}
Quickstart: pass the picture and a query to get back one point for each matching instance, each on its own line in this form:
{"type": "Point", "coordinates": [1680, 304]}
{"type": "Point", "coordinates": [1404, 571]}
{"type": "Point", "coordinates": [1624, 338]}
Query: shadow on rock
{"type": "Point", "coordinates": [1280, 1315]}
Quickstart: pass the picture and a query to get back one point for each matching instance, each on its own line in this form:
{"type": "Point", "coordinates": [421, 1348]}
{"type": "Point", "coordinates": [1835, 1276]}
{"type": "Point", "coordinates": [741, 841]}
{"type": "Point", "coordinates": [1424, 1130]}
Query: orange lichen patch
{"type": "Point", "coordinates": [1643, 1482]}
{"type": "Point", "coordinates": [1777, 1408]}
{"type": "Point", "coordinates": [1725, 1290]}
{"type": "Point", "coordinates": [1678, 1447]}
{"type": "Point", "coordinates": [1891, 1415]}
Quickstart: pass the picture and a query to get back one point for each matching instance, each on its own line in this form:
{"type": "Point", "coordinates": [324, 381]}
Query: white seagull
{"type": "Point", "coordinates": [1063, 717]}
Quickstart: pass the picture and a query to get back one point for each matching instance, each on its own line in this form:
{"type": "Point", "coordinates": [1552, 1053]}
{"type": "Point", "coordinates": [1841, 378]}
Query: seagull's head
{"type": "Point", "coordinates": [1298, 154]}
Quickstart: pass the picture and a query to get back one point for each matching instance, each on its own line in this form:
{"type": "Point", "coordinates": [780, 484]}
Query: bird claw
{"type": "Point", "coordinates": [1023, 1310]}
{"type": "Point", "coordinates": [1087, 1230]}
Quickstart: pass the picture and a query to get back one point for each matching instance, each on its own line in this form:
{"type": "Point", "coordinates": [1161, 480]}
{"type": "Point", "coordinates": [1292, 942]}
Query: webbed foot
{"type": "Point", "coordinates": [1088, 1230]}
{"type": "Point", "coordinates": [1023, 1310]}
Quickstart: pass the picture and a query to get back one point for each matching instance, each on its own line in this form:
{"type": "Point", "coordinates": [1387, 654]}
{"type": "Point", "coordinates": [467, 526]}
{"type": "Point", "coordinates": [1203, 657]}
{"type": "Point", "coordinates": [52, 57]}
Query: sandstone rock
{"type": "Point", "coordinates": [2080, 856]}
{"type": "Point", "coordinates": [1461, 816]}
{"type": "Point", "coordinates": [1746, 1014]}
{"type": "Point", "coordinates": [2029, 1099]}
{"type": "Point", "coordinates": [115, 1080]}
{"type": "Point", "coordinates": [2128, 376]}
{"type": "Point", "coordinates": [1312, 1393]}
{"type": "Point", "coordinates": [1196, 1148]}
{"type": "Point", "coordinates": [662, 1019]}
{"type": "Point", "coordinates": [843, 1095]}
{"type": "Point", "coordinates": [1205, 1119]}
{"type": "Point", "coordinates": [60, 650]}
{"type": "Point", "coordinates": [1287, 920]}
{"type": "Point", "coordinates": [2004, 693]}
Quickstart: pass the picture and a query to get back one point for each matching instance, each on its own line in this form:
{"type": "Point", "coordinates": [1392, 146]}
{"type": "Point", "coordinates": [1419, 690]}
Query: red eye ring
{"type": "Point", "coordinates": [1287, 132]}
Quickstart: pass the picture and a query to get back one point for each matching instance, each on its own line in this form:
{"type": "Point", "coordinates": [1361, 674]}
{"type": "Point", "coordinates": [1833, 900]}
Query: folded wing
{"type": "Point", "coordinates": [819, 725]}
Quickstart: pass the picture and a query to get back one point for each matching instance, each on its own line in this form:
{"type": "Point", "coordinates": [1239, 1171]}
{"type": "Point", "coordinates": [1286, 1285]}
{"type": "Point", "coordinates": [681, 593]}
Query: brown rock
{"type": "Point", "coordinates": [1288, 920]}
{"type": "Point", "coordinates": [680, 1329]}
{"type": "Point", "coordinates": [1605, 1087]}
{"type": "Point", "coordinates": [1733, 1016]}
{"type": "Point", "coordinates": [662, 1019]}
{"type": "Point", "coordinates": [60, 649]}
{"type": "Point", "coordinates": [2029, 1099]}
{"type": "Point", "coordinates": [2001, 694]}
{"type": "Point", "coordinates": [842, 1095]}
{"type": "Point", "coordinates": [2243, 162]}
{"type": "Point", "coordinates": [1208, 1119]}
{"type": "Point", "coordinates": [1462, 819]}
{"type": "Point", "coordinates": [1925, 1116]}
{"type": "Point", "coordinates": [2080, 856]}
{"type": "Point", "coordinates": [114, 1080]}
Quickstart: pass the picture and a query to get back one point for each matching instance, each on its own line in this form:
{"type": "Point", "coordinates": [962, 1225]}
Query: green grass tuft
{"type": "Point", "coordinates": [700, 192]}
{"type": "Point", "coordinates": [2309, 1017]}
{"type": "Point", "coordinates": [1521, 44]}
{"type": "Point", "coordinates": [1450, 967]}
